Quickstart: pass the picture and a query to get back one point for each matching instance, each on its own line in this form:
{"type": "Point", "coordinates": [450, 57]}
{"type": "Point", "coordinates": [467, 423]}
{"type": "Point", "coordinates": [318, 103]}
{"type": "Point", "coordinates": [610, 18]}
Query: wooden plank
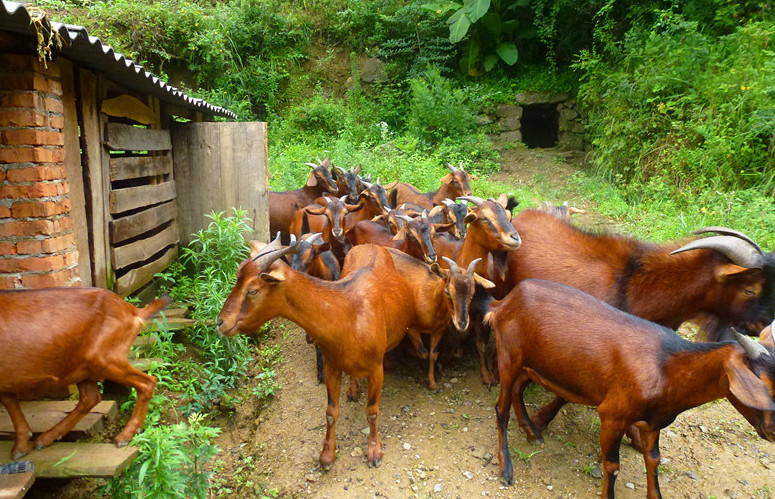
{"type": "Point", "coordinates": [122, 200]}
{"type": "Point", "coordinates": [122, 137]}
{"type": "Point", "coordinates": [174, 312]}
{"type": "Point", "coordinates": [71, 459]}
{"type": "Point", "coordinates": [44, 414]}
{"type": "Point", "coordinates": [140, 166]}
{"type": "Point", "coordinates": [16, 486]}
{"type": "Point", "coordinates": [218, 166]}
{"type": "Point", "coordinates": [144, 342]}
{"type": "Point", "coordinates": [75, 171]}
{"type": "Point", "coordinates": [173, 324]}
{"type": "Point", "coordinates": [143, 249]}
{"type": "Point", "coordinates": [126, 106]}
{"type": "Point", "coordinates": [91, 144]}
{"type": "Point", "coordinates": [137, 278]}
{"type": "Point", "coordinates": [130, 226]}
{"type": "Point", "coordinates": [144, 364]}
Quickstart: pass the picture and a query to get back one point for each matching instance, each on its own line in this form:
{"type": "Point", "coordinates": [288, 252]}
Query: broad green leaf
{"type": "Point", "coordinates": [476, 9]}
{"type": "Point", "coordinates": [468, 63]}
{"type": "Point", "coordinates": [490, 61]}
{"type": "Point", "coordinates": [458, 30]}
{"type": "Point", "coordinates": [454, 17]}
{"type": "Point", "coordinates": [507, 52]}
{"type": "Point", "coordinates": [493, 23]}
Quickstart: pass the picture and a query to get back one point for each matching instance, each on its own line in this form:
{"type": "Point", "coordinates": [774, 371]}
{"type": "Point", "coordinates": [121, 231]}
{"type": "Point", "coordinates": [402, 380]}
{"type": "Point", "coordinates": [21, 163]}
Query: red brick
{"type": "Point", "coordinates": [7, 248]}
{"type": "Point", "coordinates": [2, 176]}
{"type": "Point", "coordinates": [54, 244]}
{"type": "Point", "coordinates": [45, 84]}
{"type": "Point", "coordinates": [10, 281]}
{"type": "Point", "coordinates": [47, 280]}
{"type": "Point", "coordinates": [5, 212]}
{"type": "Point", "coordinates": [56, 121]}
{"type": "Point", "coordinates": [30, 246]}
{"type": "Point", "coordinates": [22, 99]}
{"type": "Point", "coordinates": [54, 105]}
{"type": "Point", "coordinates": [66, 223]}
{"type": "Point", "coordinates": [23, 117]}
{"type": "Point", "coordinates": [21, 154]}
{"type": "Point", "coordinates": [37, 190]}
{"type": "Point", "coordinates": [27, 228]}
{"type": "Point", "coordinates": [39, 209]}
{"type": "Point", "coordinates": [17, 81]}
{"type": "Point", "coordinates": [32, 264]}
{"type": "Point", "coordinates": [32, 136]}
{"type": "Point", "coordinates": [71, 258]}
{"type": "Point", "coordinates": [37, 173]}
{"type": "Point", "coordinates": [63, 188]}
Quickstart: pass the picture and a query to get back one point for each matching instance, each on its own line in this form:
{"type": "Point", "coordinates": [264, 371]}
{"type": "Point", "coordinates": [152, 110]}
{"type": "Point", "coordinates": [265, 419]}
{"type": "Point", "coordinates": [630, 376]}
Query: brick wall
{"type": "Point", "coordinates": [37, 245]}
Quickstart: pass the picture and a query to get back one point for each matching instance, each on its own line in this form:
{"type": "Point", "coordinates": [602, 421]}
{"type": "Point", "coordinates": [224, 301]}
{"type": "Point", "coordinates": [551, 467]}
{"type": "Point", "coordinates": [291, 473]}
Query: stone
{"type": "Point", "coordinates": [486, 119]}
{"type": "Point", "coordinates": [506, 137]}
{"type": "Point", "coordinates": [311, 478]}
{"type": "Point", "coordinates": [478, 453]}
{"type": "Point", "coordinates": [508, 111]}
{"type": "Point", "coordinates": [630, 485]}
{"type": "Point", "coordinates": [357, 452]}
{"type": "Point", "coordinates": [568, 114]}
{"type": "Point", "coordinates": [692, 475]}
{"type": "Point", "coordinates": [508, 124]}
{"type": "Point", "coordinates": [527, 98]}
{"type": "Point", "coordinates": [438, 487]}
{"type": "Point", "coordinates": [468, 475]}
{"type": "Point", "coordinates": [570, 141]}
{"type": "Point", "coordinates": [407, 446]}
{"type": "Point", "coordinates": [578, 127]}
{"type": "Point", "coordinates": [366, 431]}
{"type": "Point", "coordinates": [373, 70]}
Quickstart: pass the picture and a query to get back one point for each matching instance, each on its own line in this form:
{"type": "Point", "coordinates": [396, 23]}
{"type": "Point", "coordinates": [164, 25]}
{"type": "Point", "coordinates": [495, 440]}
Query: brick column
{"type": "Point", "coordinates": [37, 244]}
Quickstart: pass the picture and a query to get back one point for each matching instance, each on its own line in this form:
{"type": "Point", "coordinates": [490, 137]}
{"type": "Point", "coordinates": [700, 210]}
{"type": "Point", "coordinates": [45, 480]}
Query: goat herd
{"type": "Point", "coordinates": [590, 317]}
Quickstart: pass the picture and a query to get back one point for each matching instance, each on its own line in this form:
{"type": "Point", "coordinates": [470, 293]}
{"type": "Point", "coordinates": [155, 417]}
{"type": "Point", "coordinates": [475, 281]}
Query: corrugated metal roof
{"type": "Point", "coordinates": [90, 52]}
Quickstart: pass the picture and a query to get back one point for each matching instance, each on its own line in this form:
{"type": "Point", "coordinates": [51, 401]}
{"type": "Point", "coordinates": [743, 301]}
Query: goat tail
{"type": "Point", "coordinates": [154, 307]}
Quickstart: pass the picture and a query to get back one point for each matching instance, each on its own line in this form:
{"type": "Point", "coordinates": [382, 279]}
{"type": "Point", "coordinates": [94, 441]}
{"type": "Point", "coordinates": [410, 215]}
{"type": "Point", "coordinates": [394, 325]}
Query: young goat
{"type": "Point", "coordinates": [284, 205]}
{"type": "Point", "coordinates": [354, 320]}
{"type": "Point", "coordinates": [62, 336]}
{"type": "Point", "coordinates": [453, 185]}
{"type": "Point", "coordinates": [635, 372]}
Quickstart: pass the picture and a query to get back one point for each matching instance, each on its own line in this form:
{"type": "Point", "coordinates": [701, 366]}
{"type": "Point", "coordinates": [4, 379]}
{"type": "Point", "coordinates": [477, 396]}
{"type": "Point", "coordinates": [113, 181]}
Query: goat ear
{"type": "Point", "coordinates": [354, 207]}
{"type": "Point", "coordinates": [273, 277]}
{"type": "Point", "coordinates": [312, 180]}
{"type": "Point", "coordinates": [255, 247]}
{"type": "Point", "coordinates": [323, 247]}
{"type": "Point", "coordinates": [732, 271]}
{"type": "Point", "coordinates": [765, 337]}
{"type": "Point", "coordinates": [436, 269]}
{"type": "Point", "coordinates": [745, 386]}
{"type": "Point", "coordinates": [503, 200]}
{"type": "Point", "coordinates": [486, 284]}
{"type": "Point", "coordinates": [320, 210]}
{"type": "Point", "coordinates": [448, 178]}
{"type": "Point", "coordinates": [470, 217]}
{"type": "Point", "coordinates": [443, 227]}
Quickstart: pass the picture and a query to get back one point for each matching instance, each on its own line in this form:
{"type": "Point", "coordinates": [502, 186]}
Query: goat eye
{"type": "Point", "coordinates": [749, 292]}
{"type": "Point", "coordinates": [252, 292]}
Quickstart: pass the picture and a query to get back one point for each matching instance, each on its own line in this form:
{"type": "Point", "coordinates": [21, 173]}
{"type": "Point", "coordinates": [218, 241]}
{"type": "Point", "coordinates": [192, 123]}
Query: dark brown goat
{"type": "Point", "coordinates": [635, 372]}
{"type": "Point", "coordinates": [354, 320]}
{"type": "Point", "coordinates": [57, 337]}
{"type": "Point", "coordinates": [284, 205]}
{"type": "Point", "coordinates": [348, 182]}
{"type": "Point", "coordinates": [453, 185]}
{"type": "Point", "coordinates": [727, 278]}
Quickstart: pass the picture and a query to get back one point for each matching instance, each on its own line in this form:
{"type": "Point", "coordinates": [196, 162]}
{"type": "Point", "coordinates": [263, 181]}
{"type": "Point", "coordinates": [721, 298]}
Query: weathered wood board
{"type": "Point", "coordinates": [75, 459]}
{"type": "Point", "coordinates": [122, 137]}
{"type": "Point", "coordinates": [16, 486]}
{"type": "Point", "coordinates": [129, 198]}
{"type": "Point", "coordinates": [43, 414]}
{"type": "Point", "coordinates": [136, 278]}
{"type": "Point", "coordinates": [143, 249]}
{"type": "Point", "coordinates": [218, 166]}
{"type": "Point", "coordinates": [143, 364]}
{"type": "Point", "coordinates": [127, 106]}
{"type": "Point", "coordinates": [133, 225]}
{"type": "Point", "coordinates": [139, 166]}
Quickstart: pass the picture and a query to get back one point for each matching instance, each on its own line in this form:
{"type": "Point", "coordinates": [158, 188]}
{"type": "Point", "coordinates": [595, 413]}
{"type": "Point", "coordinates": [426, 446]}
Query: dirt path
{"type": "Point", "coordinates": [444, 443]}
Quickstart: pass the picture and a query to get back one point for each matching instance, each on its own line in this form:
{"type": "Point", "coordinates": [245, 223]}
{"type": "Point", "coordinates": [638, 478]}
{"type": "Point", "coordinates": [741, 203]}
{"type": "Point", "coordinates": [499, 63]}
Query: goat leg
{"type": "Point", "coordinates": [333, 387]}
{"type": "Point", "coordinates": [547, 413]}
{"type": "Point", "coordinates": [651, 456]}
{"type": "Point", "coordinates": [502, 412]}
{"type": "Point", "coordinates": [320, 365]}
{"type": "Point", "coordinates": [23, 431]}
{"type": "Point", "coordinates": [414, 337]}
{"type": "Point", "coordinates": [434, 354]}
{"type": "Point", "coordinates": [144, 384]}
{"type": "Point", "coordinates": [353, 391]}
{"type": "Point", "coordinates": [611, 433]}
{"type": "Point", "coordinates": [374, 454]}
{"type": "Point", "coordinates": [635, 438]}
{"type": "Point", "coordinates": [533, 433]}
{"type": "Point", "coordinates": [482, 338]}
{"type": "Point", "coordinates": [89, 395]}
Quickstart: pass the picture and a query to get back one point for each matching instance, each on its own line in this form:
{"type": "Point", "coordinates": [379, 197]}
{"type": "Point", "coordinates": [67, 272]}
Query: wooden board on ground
{"type": "Point", "coordinates": [144, 364]}
{"type": "Point", "coordinates": [16, 485]}
{"type": "Point", "coordinates": [136, 278]}
{"type": "Point", "coordinates": [173, 324]}
{"type": "Point", "coordinates": [75, 459]}
{"type": "Point", "coordinates": [43, 414]}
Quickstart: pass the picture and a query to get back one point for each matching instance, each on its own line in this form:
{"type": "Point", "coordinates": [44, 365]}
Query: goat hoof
{"type": "Point", "coordinates": [18, 454]}
{"type": "Point", "coordinates": [375, 464]}
{"type": "Point", "coordinates": [325, 467]}
{"type": "Point", "coordinates": [121, 443]}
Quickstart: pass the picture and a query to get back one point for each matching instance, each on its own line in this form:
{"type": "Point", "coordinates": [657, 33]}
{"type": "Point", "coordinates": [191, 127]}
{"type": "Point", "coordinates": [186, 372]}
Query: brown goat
{"type": "Point", "coordinates": [354, 320]}
{"type": "Point", "coordinates": [326, 215]}
{"type": "Point", "coordinates": [453, 185]}
{"type": "Point", "coordinates": [62, 336]}
{"type": "Point", "coordinates": [723, 277]}
{"type": "Point", "coordinates": [563, 212]}
{"type": "Point", "coordinates": [347, 182]}
{"type": "Point", "coordinates": [414, 238]}
{"type": "Point", "coordinates": [634, 371]}
{"type": "Point", "coordinates": [284, 205]}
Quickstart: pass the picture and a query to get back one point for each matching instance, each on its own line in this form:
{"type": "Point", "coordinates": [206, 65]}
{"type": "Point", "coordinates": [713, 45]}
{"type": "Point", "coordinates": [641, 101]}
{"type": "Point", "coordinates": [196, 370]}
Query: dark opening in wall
{"type": "Point", "coordinates": [540, 125]}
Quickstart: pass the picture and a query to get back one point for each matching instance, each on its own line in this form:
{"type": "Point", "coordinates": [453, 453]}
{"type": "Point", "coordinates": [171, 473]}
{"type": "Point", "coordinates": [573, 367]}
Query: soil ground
{"type": "Point", "coordinates": [444, 443]}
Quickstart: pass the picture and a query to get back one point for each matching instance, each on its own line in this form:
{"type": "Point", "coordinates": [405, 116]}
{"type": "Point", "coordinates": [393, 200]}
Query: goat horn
{"type": "Point", "coordinates": [740, 252]}
{"type": "Point", "coordinates": [436, 210]}
{"type": "Point", "coordinates": [343, 198]}
{"type": "Point", "coordinates": [293, 239]}
{"type": "Point", "coordinates": [447, 202]}
{"type": "Point", "coordinates": [460, 166]}
{"type": "Point", "coordinates": [472, 266]}
{"type": "Point", "coordinates": [367, 184]}
{"type": "Point", "coordinates": [266, 258]}
{"type": "Point", "coordinates": [404, 218]}
{"type": "Point", "coordinates": [315, 238]}
{"type": "Point", "coordinates": [451, 168]}
{"type": "Point", "coordinates": [424, 216]}
{"type": "Point", "coordinates": [312, 165]}
{"type": "Point", "coordinates": [476, 200]}
{"type": "Point", "coordinates": [378, 182]}
{"type": "Point", "coordinates": [725, 231]}
{"type": "Point", "coordinates": [454, 270]}
{"type": "Point", "coordinates": [752, 348]}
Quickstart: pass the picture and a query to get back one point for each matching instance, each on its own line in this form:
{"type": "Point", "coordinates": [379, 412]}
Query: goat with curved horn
{"type": "Point", "coordinates": [726, 231]}
{"type": "Point", "coordinates": [472, 199]}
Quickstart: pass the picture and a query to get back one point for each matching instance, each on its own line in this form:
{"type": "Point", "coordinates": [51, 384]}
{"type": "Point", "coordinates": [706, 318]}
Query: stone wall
{"type": "Point", "coordinates": [37, 244]}
{"type": "Point", "coordinates": [508, 117]}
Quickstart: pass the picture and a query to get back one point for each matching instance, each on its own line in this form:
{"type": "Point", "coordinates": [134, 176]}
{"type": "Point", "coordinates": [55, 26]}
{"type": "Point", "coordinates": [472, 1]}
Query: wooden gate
{"type": "Point", "coordinates": [219, 166]}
